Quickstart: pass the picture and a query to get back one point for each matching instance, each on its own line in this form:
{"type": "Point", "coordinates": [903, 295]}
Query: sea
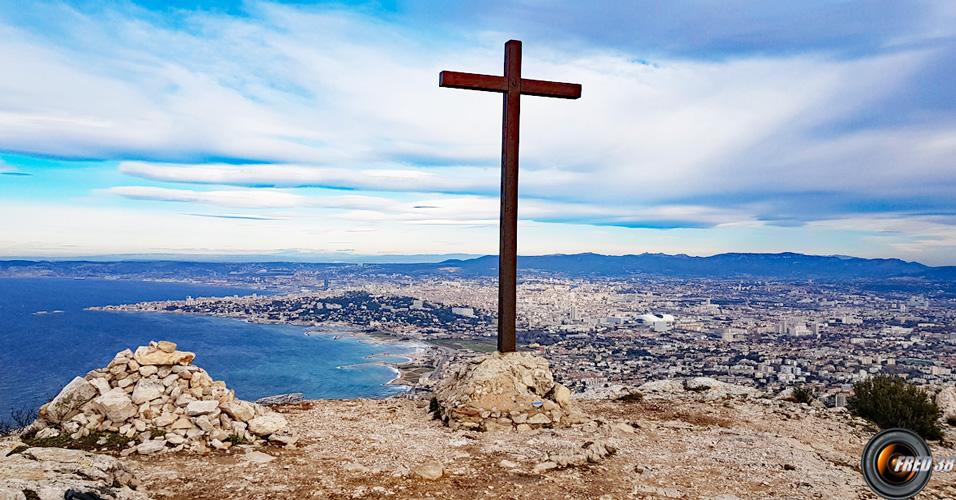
{"type": "Point", "coordinates": [47, 338]}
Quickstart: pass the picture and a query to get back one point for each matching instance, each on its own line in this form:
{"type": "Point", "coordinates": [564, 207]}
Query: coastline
{"type": "Point", "coordinates": [406, 373]}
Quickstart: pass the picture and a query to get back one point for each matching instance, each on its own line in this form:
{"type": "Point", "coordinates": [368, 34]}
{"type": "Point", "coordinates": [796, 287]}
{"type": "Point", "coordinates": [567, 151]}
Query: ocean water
{"type": "Point", "coordinates": [39, 353]}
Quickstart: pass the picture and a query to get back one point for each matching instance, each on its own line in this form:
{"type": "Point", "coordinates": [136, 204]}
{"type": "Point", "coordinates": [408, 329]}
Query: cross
{"type": "Point", "coordinates": [512, 86]}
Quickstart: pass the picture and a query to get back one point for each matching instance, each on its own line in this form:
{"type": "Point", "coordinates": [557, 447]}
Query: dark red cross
{"type": "Point", "coordinates": [512, 86]}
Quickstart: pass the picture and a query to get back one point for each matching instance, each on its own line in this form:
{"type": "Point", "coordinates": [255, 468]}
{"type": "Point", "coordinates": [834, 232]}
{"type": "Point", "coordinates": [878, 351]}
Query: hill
{"type": "Point", "coordinates": [728, 265]}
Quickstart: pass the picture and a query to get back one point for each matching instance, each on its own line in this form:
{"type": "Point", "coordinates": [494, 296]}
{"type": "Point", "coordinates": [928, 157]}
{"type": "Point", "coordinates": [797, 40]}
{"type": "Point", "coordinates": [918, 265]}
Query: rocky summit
{"type": "Point", "coordinates": [504, 392]}
{"type": "Point", "coordinates": [155, 400]}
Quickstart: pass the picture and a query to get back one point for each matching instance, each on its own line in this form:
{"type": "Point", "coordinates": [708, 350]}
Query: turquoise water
{"type": "Point", "coordinates": [39, 353]}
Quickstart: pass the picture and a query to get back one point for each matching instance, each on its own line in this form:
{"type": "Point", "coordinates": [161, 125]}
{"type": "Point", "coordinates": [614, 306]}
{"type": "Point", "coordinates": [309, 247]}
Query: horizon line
{"type": "Point", "coordinates": [381, 258]}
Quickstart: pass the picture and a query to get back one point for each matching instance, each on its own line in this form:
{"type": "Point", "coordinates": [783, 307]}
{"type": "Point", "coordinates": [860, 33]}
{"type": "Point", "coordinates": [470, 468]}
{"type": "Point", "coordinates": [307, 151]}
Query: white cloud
{"type": "Point", "coordinates": [330, 99]}
{"type": "Point", "coordinates": [450, 179]}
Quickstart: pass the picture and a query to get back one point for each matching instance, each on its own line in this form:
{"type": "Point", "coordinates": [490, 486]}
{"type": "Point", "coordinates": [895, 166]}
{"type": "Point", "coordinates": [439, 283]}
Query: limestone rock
{"type": "Point", "coordinates": [257, 457]}
{"type": "Point", "coordinates": [154, 356]}
{"type": "Point", "coordinates": [166, 346]}
{"type": "Point", "coordinates": [68, 402]}
{"type": "Point", "coordinates": [102, 386]}
{"type": "Point", "coordinates": [151, 446]}
{"type": "Point", "coordinates": [268, 424]}
{"type": "Point", "coordinates": [281, 399]}
{"type": "Point", "coordinates": [150, 395]}
{"type": "Point", "coordinates": [429, 471]}
{"type": "Point", "coordinates": [147, 390]}
{"type": "Point", "coordinates": [562, 395]}
{"type": "Point", "coordinates": [538, 419]}
{"type": "Point", "coordinates": [50, 472]}
{"type": "Point", "coordinates": [196, 408]}
{"type": "Point", "coordinates": [147, 370]}
{"type": "Point", "coordinates": [502, 392]}
{"type": "Point", "coordinates": [115, 405]}
{"type": "Point", "coordinates": [284, 437]}
{"type": "Point", "coordinates": [545, 466]}
{"type": "Point", "coordinates": [239, 410]}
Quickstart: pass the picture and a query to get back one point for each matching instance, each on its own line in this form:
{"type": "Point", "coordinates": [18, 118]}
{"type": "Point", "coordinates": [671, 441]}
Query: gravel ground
{"type": "Point", "coordinates": [676, 448]}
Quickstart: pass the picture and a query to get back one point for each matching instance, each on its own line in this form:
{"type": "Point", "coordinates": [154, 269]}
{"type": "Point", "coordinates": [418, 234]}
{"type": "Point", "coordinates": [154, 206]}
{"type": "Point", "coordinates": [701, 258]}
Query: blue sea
{"type": "Point", "coordinates": [47, 338]}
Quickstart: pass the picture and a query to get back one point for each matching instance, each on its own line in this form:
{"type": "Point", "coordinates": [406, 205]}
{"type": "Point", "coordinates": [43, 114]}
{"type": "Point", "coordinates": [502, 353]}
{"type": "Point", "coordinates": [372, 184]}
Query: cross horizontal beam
{"type": "Point", "coordinates": [492, 83]}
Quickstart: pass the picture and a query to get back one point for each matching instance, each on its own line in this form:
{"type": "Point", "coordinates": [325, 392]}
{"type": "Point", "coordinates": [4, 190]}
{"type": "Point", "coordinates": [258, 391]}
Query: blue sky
{"type": "Point", "coordinates": [257, 128]}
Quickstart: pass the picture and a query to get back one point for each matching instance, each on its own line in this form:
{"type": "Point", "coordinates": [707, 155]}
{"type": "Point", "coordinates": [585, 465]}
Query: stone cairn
{"type": "Point", "coordinates": [503, 392]}
{"type": "Point", "coordinates": [160, 401]}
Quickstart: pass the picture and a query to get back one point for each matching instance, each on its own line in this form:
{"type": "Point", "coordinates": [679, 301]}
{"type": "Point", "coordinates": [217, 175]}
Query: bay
{"type": "Point", "coordinates": [47, 338]}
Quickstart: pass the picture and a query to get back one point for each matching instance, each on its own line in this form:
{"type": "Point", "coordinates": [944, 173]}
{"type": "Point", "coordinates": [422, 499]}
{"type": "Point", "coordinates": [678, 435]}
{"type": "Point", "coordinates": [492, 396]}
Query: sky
{"type": "Point", "coordinates": [311, 129]}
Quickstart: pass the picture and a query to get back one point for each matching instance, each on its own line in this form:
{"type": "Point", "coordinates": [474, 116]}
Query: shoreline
{"type": "Point", "coordinates": [405, 377]}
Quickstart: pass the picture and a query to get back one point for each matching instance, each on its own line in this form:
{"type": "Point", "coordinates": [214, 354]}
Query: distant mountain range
{"type": "Point", "coordinates": [786, 266]}
{"type": "Point", "coordinates": [727, 265]}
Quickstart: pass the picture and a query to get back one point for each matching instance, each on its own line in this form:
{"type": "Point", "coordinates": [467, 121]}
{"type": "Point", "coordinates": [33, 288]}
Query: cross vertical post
{"type": "Point", "coordinates": [511, 85]}
{"type": "Point", "coordinates": [508, 224]}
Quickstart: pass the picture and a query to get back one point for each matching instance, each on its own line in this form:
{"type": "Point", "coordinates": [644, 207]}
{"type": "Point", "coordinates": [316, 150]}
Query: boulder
{"type": "Point", "coordinates": [196, 408]}
{"type": "Point", "coordinates": [258, 457]}
{"type": "Point", "coordinates": [68, 402]}
{"type": "Point", "coordinates": [239, 410]}
{"type": "Point", "coordinates": [281, 399]}
{"type": "Point", "coordinates": [50, 472]}
{"type": "Point", "coordinates": [150, 355]}
{"type": "Point", "coordinates": [268, 424]}
{"type": "Point", "coordinates": [151, 446]}
{"type": "Point", "coordinates": [148, 370]}
{"type": "Point", "coordinates": [102, 386]}
{"type": "Point", "coordinates": [115, 405]}
{"type": "Point", "coordinates": [561, 395]}
{"type": "Point", "coordinates": [538, 419]}
{"type": "Point", "coordinates": [147, 390]}
{"type": "Point", "coordinates": [502, 392]}
{"type": "Point", "coordinates": [429, 471]}
{"type": "Point", "coordinates": [166, 346]}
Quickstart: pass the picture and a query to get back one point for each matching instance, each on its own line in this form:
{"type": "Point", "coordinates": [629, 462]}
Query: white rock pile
{"type": "Point", "coordinates": [502, 392]}
{"type": "Point", "coordinates": [160, 401]}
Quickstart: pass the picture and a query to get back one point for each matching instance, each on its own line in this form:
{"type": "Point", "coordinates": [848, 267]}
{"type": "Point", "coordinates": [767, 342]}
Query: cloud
{"type": "Point", "coordinates": [705, 117]}
{"type": "Point", "coordinates": [234, 217]}
{"type": "Point", "coordinates": [702, 29]}
{"type": "Point", "coordinates": [452, 179]}
{"type": "Point", "coordinates": [441, 210]}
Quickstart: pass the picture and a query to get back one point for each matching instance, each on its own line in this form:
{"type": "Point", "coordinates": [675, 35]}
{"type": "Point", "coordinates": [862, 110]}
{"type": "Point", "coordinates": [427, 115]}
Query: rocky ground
{"type": "Point", "coordinates": [695, 438]}
{"type": "Point", "coordinates": [737, 447]}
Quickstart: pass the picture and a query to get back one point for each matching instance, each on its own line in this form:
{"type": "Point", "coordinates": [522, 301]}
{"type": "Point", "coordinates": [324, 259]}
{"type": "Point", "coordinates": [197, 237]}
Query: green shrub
{"type": "Point", "coordinates": [889, 402]}
{"type": "Point", "coordinates": [804, 394]}
{"type": "Point", "coordinates": [101, 440]}
{"type": "Point", "coordinates": [631, 397]}
{"type": "Point", "coordinates": [236, 439]}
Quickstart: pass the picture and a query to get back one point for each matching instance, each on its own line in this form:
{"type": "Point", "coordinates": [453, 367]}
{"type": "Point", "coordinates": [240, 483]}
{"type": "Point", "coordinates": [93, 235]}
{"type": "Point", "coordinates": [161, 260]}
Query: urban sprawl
{"type": "Point", "coordinates": [602, 334]}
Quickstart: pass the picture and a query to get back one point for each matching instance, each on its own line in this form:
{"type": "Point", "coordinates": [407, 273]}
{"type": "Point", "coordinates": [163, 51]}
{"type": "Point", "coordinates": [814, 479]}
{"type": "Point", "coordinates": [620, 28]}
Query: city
{"type": "Point", "coordinates": [604, 334]}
